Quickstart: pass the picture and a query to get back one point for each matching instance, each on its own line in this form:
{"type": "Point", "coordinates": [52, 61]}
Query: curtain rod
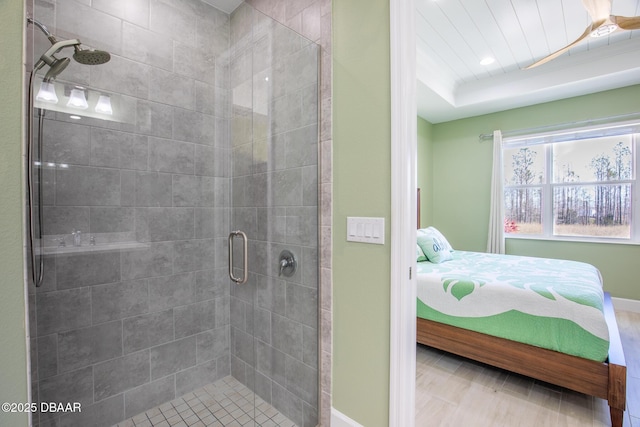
{"type": "Point", "coordinates": [561, 126]}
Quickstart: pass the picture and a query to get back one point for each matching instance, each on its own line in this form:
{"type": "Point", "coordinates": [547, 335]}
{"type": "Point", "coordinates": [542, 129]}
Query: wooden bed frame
{"type": "Point", "coordinates": [606, 380]}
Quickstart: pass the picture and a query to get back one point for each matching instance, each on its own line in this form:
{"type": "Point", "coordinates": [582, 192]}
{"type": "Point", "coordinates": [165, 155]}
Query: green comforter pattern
{"type": "Point", "coordinates": [549, 303]}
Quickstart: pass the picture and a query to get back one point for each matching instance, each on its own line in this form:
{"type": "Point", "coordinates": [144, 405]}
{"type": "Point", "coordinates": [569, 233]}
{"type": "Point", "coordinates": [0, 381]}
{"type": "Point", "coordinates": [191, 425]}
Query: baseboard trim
{"type": "Point", "coordinates": [625, 304]}
{"type": "Point", "coordinates": [338, 419]}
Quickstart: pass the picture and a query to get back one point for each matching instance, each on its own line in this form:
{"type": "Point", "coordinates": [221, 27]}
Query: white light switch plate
{"type": "Point", "coordinates": [365, 230]}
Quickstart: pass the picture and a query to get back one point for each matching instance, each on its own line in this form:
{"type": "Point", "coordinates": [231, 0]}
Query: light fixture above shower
{"type": "Point", "coordinates": [83, 101]}
{"type": "Point", "coordinates": [47, 93]}
{"type": "Point", "coordinates": [103, 105]}
{"type": "Point", "coordinates": [77, 99]}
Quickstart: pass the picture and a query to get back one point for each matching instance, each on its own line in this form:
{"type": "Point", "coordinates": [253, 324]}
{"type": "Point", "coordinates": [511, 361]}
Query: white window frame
{"type": "Point", "coordinates": [547, 187]}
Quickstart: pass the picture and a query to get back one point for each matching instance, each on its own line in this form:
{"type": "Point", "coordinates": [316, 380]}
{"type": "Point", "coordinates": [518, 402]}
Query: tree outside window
{"type": "Point", "coordinates": [579, 188]}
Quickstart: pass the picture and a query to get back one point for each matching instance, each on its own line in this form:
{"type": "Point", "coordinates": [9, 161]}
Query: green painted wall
{"type": "Point", "coordinates": [13, 353]}
{"type": "Point", "coordinates": [460, 167]}
{"type": "Point", "coordinates": [424, 180]}
{"type": "Point", "coordinates": [362, 187]}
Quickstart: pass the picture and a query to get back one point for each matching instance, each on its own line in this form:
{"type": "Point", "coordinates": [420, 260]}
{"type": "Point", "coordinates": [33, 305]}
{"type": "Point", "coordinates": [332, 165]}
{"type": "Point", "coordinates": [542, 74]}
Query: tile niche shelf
{"type": "Point", "coordinates": [105, 247]}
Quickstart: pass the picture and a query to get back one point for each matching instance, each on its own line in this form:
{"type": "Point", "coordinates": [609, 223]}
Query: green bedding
{"type": "Point", "coordinates": [554, 304]}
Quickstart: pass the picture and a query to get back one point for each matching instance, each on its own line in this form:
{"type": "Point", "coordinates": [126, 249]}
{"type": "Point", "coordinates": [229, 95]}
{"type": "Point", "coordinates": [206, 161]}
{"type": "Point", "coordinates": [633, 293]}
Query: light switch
{"type": "Point", "coordinates": [351, 227]}
{"type": "Point", "coordinates": [365, 230]}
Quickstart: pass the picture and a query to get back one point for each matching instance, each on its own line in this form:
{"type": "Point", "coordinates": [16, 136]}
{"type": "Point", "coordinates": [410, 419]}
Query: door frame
{"type": "Point", "coordinates": [403, 213]}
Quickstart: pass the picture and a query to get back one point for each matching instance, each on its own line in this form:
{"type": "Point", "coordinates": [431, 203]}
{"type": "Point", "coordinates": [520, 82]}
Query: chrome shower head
{"type": "Point", "coordinates": [83, 56]}
{"type": "Point", "coordinates": [49, 58]}
{"type": "Point", "coordinates": [58, 66]}
{"type": "Point", "coordinates": [90, 57]}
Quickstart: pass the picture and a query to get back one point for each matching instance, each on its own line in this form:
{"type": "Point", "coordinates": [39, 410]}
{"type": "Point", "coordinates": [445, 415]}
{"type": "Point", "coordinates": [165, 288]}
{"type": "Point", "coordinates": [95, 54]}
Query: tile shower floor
{"type": "Point", "coordinates": [224, 403]}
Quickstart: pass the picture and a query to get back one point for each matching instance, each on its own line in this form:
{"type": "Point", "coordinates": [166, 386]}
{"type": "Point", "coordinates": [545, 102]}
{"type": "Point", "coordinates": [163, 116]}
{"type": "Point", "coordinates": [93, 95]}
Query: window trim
{"type": "Point", "coordinates": [548, 139]}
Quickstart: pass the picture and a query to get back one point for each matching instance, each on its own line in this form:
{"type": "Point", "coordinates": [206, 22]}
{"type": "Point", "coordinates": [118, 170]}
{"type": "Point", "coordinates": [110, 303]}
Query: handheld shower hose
{"type": "Point", "coordinates": [56, 66]}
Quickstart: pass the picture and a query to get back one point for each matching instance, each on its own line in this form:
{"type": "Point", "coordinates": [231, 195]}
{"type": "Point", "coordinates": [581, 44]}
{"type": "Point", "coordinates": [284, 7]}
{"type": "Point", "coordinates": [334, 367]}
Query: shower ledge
{"type": "Point", "coordinates": [105, 247]}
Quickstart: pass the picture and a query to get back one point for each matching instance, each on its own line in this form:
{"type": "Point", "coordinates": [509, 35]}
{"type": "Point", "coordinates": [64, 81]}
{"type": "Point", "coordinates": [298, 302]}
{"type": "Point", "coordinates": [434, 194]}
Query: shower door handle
{"type": "Point", "coordinates": [245, 275]}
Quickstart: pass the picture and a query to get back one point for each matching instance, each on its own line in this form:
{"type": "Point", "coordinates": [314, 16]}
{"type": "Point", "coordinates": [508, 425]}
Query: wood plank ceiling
{"type": "Point", "coordinates": [455, 35]}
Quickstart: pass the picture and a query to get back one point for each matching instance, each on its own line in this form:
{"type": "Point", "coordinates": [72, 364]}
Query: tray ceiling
{"type": "Point", "coordinates": [453, 36]}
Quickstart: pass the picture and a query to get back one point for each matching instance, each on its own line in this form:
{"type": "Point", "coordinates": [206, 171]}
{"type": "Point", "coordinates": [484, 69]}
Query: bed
{"type": "Point", "coordinates": [546, 319]}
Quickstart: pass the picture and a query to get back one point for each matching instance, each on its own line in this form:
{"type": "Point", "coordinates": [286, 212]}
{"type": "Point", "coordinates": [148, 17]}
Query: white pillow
{"type": "Point", "coordinates": [441, 237]}
{"type": "Point", "coordinates": [435, 249]}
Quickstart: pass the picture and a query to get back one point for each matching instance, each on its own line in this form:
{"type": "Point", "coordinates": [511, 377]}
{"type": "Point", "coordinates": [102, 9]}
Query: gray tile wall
{"type": "Point", "coordinates": [121, 331]}
{"type": "Point", "coordinates": [209, 145]}
{"type": "Point", "coordinates": [274, 138]}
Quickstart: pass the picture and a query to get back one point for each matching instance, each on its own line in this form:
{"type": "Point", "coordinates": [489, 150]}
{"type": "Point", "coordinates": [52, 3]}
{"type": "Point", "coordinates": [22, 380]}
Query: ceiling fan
{"type": "Point", "coordinates": [602, 24]}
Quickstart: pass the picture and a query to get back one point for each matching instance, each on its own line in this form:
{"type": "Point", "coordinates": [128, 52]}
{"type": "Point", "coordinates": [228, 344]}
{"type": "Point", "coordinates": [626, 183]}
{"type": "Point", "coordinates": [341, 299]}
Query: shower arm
{"type": "Point", "coordinates": [48, 58]}
{"type": "Point", "coordinates": [56, 46]}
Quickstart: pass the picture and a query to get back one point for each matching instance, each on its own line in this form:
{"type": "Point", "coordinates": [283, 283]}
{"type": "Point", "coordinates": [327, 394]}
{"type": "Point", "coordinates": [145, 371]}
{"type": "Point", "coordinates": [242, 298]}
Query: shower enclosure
{"type": "Point", "coordinates": [202, 128]}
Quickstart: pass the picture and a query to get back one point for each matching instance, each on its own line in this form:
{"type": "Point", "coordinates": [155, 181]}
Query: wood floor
{"type": "Point", "coordinates": [452, 391]}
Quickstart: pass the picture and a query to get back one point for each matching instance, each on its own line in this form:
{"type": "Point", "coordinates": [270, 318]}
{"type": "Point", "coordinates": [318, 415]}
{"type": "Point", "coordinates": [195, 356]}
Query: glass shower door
{"type": "Point", "coordinates": [274, 140]}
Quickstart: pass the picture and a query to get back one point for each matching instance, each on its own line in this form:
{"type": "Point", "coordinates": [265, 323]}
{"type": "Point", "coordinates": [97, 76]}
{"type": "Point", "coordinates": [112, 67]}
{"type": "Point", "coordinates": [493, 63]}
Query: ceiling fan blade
{"type": "Point", "coordinates": [627, 23]}
{"type": "Point", "coordinates": [559, 52]}
{"type": "Point", "coordinates": [598, 9]}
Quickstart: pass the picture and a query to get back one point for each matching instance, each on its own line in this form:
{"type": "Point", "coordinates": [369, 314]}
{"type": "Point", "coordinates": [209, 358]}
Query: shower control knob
{"type": "Point", "coordinates": [288, 264]}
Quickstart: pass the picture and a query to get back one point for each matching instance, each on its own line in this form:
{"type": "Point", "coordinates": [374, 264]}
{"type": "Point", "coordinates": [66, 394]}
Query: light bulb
{"type": "Point", "coordinates": [104, 105]}
{"type": "Point", "coordinates": [77, 99]}
{"type": "Point", "coordinates": [47, 93]}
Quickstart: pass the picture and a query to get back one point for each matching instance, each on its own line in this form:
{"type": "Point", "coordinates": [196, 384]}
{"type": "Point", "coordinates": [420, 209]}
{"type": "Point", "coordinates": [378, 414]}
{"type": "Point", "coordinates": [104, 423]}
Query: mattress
{"type": "Point", "coordinates": [548, 303]}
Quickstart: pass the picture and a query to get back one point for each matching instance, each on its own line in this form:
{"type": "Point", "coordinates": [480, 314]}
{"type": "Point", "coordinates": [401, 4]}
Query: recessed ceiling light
{"type": "Point", "coordinates": [486, 61]}
{"type": "Point", "coordinates": [74, 117]}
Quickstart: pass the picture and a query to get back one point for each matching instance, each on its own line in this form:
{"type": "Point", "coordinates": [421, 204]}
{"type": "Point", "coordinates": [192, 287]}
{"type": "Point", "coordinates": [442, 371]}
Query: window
{"type": "Point", "coordinates": [573, 185]}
